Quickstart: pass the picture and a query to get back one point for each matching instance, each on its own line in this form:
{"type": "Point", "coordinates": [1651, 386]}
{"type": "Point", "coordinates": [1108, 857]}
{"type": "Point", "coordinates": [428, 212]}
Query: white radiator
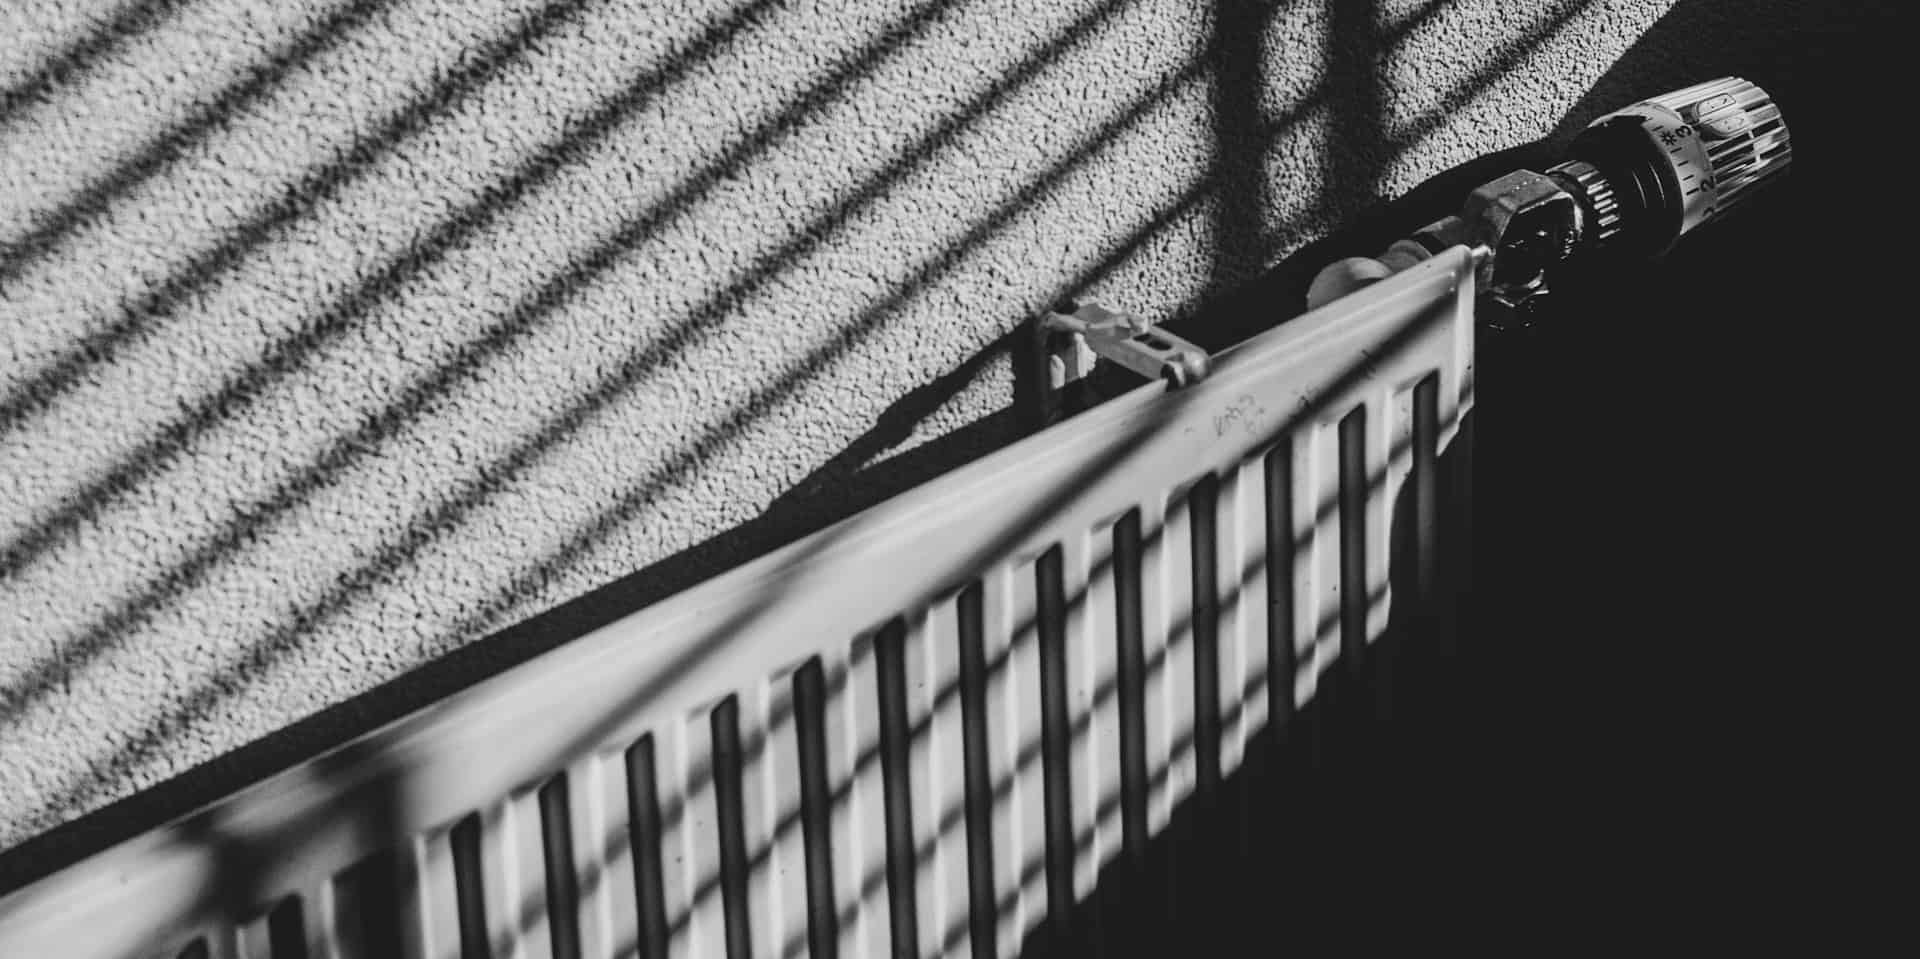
{"type": "Point", "coordinates": [914, 733]}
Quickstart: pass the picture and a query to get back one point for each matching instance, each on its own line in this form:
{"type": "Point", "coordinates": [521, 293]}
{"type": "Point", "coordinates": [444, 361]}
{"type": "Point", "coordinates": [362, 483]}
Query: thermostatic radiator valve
{"type": "Point", "coordinates": [1634, 182]}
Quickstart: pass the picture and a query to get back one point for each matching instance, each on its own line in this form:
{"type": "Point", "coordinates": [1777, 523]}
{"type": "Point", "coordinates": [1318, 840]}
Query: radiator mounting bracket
{"type": "Point", "coordinates": [1076, 336]}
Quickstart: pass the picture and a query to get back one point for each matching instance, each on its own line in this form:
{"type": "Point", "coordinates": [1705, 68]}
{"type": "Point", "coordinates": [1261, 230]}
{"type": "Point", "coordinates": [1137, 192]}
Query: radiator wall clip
{"type": "Point", "coordinates": [1076, 340]}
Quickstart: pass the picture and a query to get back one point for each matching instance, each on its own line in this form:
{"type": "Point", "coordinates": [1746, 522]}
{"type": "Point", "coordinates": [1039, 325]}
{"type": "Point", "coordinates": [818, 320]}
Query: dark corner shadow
{"type": "Point", "coordinates": [1808, 55]}
{"type": "Point", "coordinates": [1358, 147]}
{"type": "Point", "coordinates": [1829, 68]}
{"type": "Point", "coordinates": [1612, 701]}
{"type": "Point", "coordinates": [1236, 57]}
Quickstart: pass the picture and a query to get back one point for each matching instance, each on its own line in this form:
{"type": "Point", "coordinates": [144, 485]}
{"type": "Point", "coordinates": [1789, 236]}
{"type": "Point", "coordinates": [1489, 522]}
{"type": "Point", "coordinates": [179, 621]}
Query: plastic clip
{"type": "Point", "coordinates": [1124, 339]}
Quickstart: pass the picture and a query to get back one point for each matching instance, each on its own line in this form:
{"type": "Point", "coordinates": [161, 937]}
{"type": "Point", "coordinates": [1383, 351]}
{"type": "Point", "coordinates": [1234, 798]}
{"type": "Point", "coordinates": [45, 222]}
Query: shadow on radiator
{"type": "Point", "coordinates": [1342, 805]}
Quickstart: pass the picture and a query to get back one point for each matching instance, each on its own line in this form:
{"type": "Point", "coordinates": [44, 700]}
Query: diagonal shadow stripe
{"type": "Point", "coordinates": [520, 322]}
{"type": "Point", "coordinates": [1267, 241]}
{"type": "Point", "coordinates": [322, 183]}
{"type": "Point", "coordinates": [80, 57]}
{"type": "Point", "coordinates": [347, 313]}
{"type": "Point", "coordinates": [97, 196]}
{"type": "Point", "coordinates": [173, 440]}
{"type": "Point", "coordinates": [452, 512]}
{"type": "Point", "coordinates": [1500, 62]}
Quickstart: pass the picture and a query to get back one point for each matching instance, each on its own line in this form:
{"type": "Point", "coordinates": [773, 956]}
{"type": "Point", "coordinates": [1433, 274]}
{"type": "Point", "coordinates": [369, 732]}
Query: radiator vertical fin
{"type": "Point", "coordinates": [859, 832]}
{"type": "Point", "coordinates": [1056, 783]}
{"type": "Point", "coordinates": [463, 843]}
{"type": "Point", "coordinates": [775, 841]}
{"type": "Point", "coordinates": [1013, 708]}
{"type": "Point", "coordinates": [903, 919]}
{"type": "Point", "coordinates": [811, 696]}
{"type": "Point", "coordinates": [1240, 518]}
{"type": "Point", "coordinates": [731, 753]}
{"type": "Point", "coordinates": [429, 912]}
{"type": "Point", "coordinates": [1203, 503]}
{"type": "Point", "coordinates": [655, 859]}
{"type": "Point", "coordinates": [939, 787]}
{"type": "Point", "coordinates": [976, 726]}
{"type": "Point", "coordinates": [1130, 668]}
{"type": "Point", "coordinates": [366, 903]}
{"type": "Point", "coordinates": [556, 831]}
{"type": "Point", "coordinates": [1092, 704]}
{"type": "Point", "coordinates": [690, 822]}
{"type": "Point", "coordinates": [322, 920]}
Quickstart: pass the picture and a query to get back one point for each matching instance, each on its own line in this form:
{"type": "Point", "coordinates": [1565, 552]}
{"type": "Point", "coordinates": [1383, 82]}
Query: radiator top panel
{"type": "Point", "coordinates": [909, 733]}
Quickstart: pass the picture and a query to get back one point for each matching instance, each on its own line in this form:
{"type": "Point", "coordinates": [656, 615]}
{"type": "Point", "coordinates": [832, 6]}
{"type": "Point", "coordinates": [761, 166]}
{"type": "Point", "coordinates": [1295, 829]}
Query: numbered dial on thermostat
{"type": "Point", "coordinates": [1719, 139]}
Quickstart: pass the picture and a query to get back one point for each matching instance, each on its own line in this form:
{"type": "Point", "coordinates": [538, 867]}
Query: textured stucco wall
{"type": "Point", "coordinates": [335, 335]}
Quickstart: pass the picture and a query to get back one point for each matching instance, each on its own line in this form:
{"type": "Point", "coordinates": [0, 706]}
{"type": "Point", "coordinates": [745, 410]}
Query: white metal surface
{"type": "Point", "coordinates": [553, 744]}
